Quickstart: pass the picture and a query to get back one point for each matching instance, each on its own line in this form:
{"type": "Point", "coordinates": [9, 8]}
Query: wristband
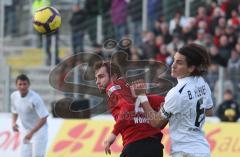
{"type": "Point", "coordinates": [143, 98]}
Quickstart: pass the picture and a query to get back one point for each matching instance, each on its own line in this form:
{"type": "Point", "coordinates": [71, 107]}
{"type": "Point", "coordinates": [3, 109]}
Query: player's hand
{"type": "Point", "coordinates": [138, 87]}
{"type": "Point", "coordinates": [15, 128]}
{"type": "Point", "coordinates": [108, 143]}
{"type": "Point", "coordinates": [27, 138]}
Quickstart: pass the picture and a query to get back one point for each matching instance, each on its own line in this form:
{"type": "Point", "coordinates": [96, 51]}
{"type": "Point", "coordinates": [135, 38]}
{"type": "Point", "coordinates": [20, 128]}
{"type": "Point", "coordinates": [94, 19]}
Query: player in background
{"type": "Point", "coordinates": [186, 104]}
{"type": "Point", "coordinates": [30, 108]}
{"type": "Point", "coordinates": [139, 137]}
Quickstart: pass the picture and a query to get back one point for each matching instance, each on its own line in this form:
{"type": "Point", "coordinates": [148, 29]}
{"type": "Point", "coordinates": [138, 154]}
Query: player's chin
{"type": "Point", "coordinates": [173, 74]}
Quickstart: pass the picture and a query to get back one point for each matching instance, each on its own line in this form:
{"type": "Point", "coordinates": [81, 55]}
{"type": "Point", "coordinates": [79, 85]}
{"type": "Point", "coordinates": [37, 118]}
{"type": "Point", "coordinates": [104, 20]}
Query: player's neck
{"type": "Point", "coordinates": [24, 94]}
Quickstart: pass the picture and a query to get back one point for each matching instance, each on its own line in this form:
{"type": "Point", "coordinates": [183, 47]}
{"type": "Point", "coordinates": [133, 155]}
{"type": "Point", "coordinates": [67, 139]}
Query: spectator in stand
{"type": "Point", "coordinates": [148, 46]}
{"type": "Point", "coordinates": [204, 26]}
{"type": "Point", "coordinates": [119, 15]}
{"type": "Point", "coordinates": [217, 33]}
{"type": "Point", "coordinates": [135, 12]}
{"type": "Point", "coordinates": [227, 85]}
{"type": "Point", "coordinates": [108, 30]}
{"type": "Point", "coordinates": [162, 54]}
{"type": "Point", "coordinates": [216, 57]}
{"type": "Point", "coordinates": [49, 42]}
{"type": "Point", "coordinates": [78, 26]}
{"type": "Point", "coordinates": [200, 37]}
{"type": "Point", "coordinates": [134, 53]}
{"type": "Point", "coordinates": [154, 8]}
{"type": "Point", "coordinates": [235, 19]}
{"type": "Point", "coordinates": [229, 109]}
{"type": "Point", "coordinates": [162, 28]}
{"type": "Point", "coordinates": [217, 13]}
{"type": "Point", "coordinates": [176, 24]}
{"type": "Point", "coordinates": [159, 41]}
{"type": "Point", "coordinates": [232, 35]}
{"type": "Point", "coordinates": [10, 20]}
{"type": "Point", "coordinates": [92, 11]}
{"type": "Point", "coordinates": [224, 48]}
{"type": "Point", "coordinates": [225, 7]}
{"type": "Point", "coordinates": [175, 44]}
{"type": "Point", "coordinates": [237, 47]}
{"type": "Point", "coordinates": [202, 16]}
{"type": "Point", "coordinates": [234, 61]}
{"type": "Point", "coordinates": [222, 23]}
{"type": "Point", "coordinates": [233, 69]}
{"type": "Point", "coordinates": [188, 33]}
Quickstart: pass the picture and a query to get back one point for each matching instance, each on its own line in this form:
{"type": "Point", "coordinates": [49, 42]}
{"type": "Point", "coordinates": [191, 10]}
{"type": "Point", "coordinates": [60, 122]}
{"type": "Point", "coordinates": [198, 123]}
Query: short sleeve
{"type": "Point", "coordinates": [13, 107]}
{"type": "Point", "coordinates": [40, 107]}
{"type": "Point", "coordinates": [209, 102]}
{"type": "Point", "coordinates": [171, 105]}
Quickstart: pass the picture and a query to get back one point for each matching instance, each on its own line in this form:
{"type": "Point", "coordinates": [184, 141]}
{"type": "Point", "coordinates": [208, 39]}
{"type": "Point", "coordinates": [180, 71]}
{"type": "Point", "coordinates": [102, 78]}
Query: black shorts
{"type": "Point", "coordinates": [148, 147]}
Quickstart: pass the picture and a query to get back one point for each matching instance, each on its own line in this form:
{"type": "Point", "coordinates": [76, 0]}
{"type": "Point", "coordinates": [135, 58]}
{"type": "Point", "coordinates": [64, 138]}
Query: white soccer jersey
{"type": "Point", "coordinates": [185, 106]}
{"type": "Point", "coordinates": [30, 109]}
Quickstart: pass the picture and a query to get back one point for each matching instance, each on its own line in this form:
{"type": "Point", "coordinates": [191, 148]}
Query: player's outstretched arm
{"type": "Point", "coordinates": [14, 122]}
{"type": "Point", "coordinates": [138, 89]}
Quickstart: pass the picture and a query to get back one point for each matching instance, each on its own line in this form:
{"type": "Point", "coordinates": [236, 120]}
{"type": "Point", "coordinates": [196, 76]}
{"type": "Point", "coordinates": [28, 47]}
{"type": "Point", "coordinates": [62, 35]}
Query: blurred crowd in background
{"type": "Point", "coordinates": [215, 24]}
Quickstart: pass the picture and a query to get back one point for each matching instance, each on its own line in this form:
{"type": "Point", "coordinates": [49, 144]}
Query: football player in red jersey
{"type": "Point", "coordinates": [139, 137]}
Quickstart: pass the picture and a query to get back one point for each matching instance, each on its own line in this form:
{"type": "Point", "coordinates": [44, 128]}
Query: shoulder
{"type": "Point", "coordinates": [177, 90]}
{"type": "Point", "coordinates": [115, 86]}
{"type": "Point", "coordinates": [112, 87]}
{"type": "Point", "coordinates": [34, 95]}
{"type": "Point", "coordinates": [15, 94]}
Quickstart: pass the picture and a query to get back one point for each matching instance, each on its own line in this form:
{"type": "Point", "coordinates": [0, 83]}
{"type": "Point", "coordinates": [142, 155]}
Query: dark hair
{"type": "Point", "coordinates": [111, 68]}
{"type": "Point", "coordinates": [228, 91]}
{"type": "Point", "coordinates": [198, 56]}
{"type": "Point", "coordinates": [22, 77]}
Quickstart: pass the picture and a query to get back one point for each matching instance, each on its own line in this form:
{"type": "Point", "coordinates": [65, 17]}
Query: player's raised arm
{"type": "Point", "coordinates": [138, 89]}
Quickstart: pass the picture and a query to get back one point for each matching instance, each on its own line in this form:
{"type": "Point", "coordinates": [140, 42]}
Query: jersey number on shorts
{"type": "Point", "coordinates": [200, 112]}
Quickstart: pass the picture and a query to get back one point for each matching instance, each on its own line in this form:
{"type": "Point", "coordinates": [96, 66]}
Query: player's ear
{"type": "Point", "coordinates": [114, 77]}
{"type": "Point", "coordinates": [191, 68]}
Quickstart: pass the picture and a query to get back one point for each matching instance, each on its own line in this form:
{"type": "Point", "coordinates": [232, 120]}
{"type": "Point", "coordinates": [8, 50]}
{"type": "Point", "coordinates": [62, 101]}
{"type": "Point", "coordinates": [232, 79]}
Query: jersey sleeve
{"type": "Point", "coordinates": [209, 102]}
{"type": "Point", "coordinates": [171, 105]}
{"type": "Point", "coordinates": [40, 107]}
{"type": "Point", "coordinates": [13, 107]}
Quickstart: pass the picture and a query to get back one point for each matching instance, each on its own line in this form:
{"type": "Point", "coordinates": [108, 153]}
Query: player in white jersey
{"type": "Point", "coordinates": [31, 110]}
{"type": "Point", "coordinates": [186, 104]}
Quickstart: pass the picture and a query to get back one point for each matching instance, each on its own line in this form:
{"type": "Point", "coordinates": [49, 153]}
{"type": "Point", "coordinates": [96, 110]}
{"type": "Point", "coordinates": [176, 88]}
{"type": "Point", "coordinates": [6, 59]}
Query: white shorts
{"type": "Point", "coordinates": [35, 148]}
{"type": "Point", "coordinates": [183, 154]}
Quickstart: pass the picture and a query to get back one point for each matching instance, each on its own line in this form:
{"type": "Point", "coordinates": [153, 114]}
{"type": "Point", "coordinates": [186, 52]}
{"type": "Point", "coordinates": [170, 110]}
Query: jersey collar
{"type": "Point", "coordinates": [185, 80]}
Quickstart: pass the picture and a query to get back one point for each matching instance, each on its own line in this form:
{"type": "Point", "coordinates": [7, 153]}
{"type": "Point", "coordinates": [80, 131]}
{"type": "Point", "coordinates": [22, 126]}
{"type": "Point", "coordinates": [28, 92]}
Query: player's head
{"type": "Point", "coordinates": [228, 95]}
{"type": "Point", "coordinates": [105, 72]}
{"type": "Point", "coordinates": [190, 60]}
{"type": "Point", "coordinates": [22, 84]}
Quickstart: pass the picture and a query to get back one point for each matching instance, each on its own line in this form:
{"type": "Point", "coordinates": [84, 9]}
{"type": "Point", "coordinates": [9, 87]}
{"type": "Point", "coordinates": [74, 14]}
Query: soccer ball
{"type": "Point", "coordinates": [46, 20]}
